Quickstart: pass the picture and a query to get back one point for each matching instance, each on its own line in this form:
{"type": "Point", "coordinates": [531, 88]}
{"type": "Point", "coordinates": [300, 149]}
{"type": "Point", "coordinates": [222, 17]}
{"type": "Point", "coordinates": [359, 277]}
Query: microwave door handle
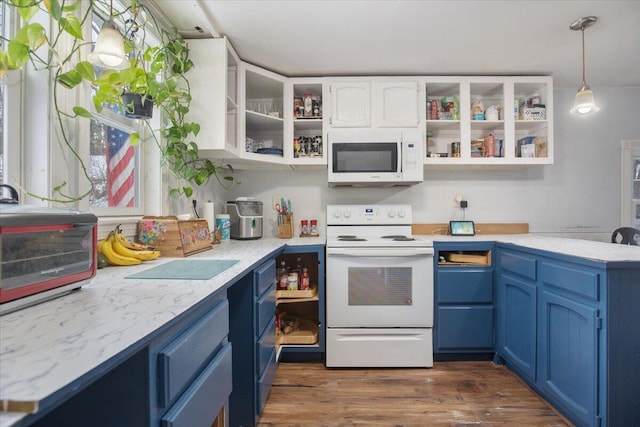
{"type": "Point", "coordinates": [399, 159]}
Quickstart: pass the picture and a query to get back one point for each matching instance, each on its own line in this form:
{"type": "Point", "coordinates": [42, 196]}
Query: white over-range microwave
{"type": "Point", "coordinates": [375, 157]}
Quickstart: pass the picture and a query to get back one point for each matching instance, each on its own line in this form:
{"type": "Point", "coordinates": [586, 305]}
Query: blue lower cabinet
{"type": "Point", "coordinates": [464, 296]}
{"type": "Point", "coordinates": [569, 355]}
{"type": "Point", "coordinates": [206, 396]}
{"type": "Point", "coordinates": [566, 325]}
{"type": "Point", "coordinates": [181, 360]}
{"type": "Point", "coordinates": [465, 328]}
{"type": "Point", "coordinates": [253, 335]}
{"type": "Point", "coordinates": [517, 302]}
{"type": "Point", "coordinates": [265, 381]}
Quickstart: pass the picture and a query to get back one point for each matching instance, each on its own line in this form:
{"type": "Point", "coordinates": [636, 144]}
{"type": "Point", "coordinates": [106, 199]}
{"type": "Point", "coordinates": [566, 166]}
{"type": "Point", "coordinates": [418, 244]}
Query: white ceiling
{"type": "Point", "coordinates": [414, 37]}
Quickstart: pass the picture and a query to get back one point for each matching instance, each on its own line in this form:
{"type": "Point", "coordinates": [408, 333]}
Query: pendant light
{"type": "Point", "coordinates": [109, 49]}
{"type": "Point", "coordinates": [584, 103]}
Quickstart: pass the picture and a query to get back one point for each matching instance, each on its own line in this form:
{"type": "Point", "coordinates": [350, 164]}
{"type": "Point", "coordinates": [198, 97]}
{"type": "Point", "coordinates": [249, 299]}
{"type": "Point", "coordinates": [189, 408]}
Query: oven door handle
{"type": "Point", "coordinates": [380, 252]}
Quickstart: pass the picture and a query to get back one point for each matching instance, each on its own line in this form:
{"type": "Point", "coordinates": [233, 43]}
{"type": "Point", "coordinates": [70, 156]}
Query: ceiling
{"type": "Point", "coordinates": [413, 37]}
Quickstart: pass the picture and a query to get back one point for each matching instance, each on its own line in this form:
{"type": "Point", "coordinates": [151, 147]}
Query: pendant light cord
{"type": "Point", "coordinates": [584, 80]}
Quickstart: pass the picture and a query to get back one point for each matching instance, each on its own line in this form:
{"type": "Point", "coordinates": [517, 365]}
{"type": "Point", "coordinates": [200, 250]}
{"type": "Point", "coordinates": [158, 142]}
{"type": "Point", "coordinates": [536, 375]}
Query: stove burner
{"type": "Point", "coordinates": [349, 238]}
{"type": "Point", "coordinates": [403, 239]}
{"type": "Point", "coordinates": [394, 236]}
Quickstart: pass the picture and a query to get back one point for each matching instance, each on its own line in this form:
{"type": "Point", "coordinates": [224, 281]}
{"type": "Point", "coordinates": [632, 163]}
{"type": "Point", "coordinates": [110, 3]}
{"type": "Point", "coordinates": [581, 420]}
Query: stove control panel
{"type": "Point", "coordinates": [368, 214]}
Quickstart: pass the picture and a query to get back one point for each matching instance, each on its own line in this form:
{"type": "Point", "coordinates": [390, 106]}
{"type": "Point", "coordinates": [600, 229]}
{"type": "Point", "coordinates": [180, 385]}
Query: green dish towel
{"type": "Point", "coordinates": [186, 269]}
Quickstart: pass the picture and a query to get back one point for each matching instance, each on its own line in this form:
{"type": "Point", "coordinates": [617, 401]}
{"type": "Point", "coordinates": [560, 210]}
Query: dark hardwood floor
{"type": "Point", "coordinates": [450, 393]}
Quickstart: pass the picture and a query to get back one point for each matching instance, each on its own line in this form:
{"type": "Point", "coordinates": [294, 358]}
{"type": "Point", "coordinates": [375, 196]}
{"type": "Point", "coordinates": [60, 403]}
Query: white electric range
{"type": "Point", "coordinates": [379, 288]}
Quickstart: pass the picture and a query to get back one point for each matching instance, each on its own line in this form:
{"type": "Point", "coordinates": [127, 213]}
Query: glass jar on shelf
{"type": "Point", "coordinates": [308, 104]}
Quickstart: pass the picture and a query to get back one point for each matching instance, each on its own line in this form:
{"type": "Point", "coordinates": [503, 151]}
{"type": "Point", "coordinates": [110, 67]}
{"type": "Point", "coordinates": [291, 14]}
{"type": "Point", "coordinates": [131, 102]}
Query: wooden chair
{"type": "Point", "coordinates": [626, 236]}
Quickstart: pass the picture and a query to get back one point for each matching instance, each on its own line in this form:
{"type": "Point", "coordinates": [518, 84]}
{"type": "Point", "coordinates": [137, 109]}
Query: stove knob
{"type": "Point", "coordinates": [347, 214]}
{"type": "Point", "coordinates": [392, 214]}
{"type": "Point", "coordinates": [336, 214]}
{"type": "Point", "coordinates": [401, 214]}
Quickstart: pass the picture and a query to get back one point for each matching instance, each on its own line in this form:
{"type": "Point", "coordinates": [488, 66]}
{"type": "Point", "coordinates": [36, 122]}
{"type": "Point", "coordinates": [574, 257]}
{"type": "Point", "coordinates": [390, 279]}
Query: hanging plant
{"type": "Point", "coordinates": [156, 76]}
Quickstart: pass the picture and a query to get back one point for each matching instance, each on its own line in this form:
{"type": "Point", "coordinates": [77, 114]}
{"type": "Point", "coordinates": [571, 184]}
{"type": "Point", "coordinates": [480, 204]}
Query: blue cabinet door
{"type": "Point", "coordinates": [569, 354]}
{"type": "Point", "coordinates": [517, 300]}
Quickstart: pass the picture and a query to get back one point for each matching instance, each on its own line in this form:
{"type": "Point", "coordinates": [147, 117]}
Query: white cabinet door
{"type": "Point", "coordinates": [396, 104]}
{"type": "Point", "coordinates": [215, 101]}
{"type": "Point", "coordinates": [350, 104]}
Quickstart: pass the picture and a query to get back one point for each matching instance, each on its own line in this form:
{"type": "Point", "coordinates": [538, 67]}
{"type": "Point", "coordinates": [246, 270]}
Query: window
{"type": "Point", "coordinates": [34, 159]}
{"type": "Point", "coordinates": [115, 165]}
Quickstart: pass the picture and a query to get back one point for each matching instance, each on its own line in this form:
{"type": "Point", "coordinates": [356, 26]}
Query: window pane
{"type": "Point", "coordinates": [113, 167]}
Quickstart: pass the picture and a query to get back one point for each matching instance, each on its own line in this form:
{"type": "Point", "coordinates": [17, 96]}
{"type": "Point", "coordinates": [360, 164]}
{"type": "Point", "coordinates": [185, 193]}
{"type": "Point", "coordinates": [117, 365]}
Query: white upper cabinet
{"type": "Point", "coordinates": [374, 103]}
{"type": "Point", "coordinates": [396, 104]}
{"type": "Point", "coordinates": [489, 120]}
{"type": "Point", "coordinates": [304, 119]}
{"type": "Point", "coordinates": [214, 89]}
{"type": "Point", "coordinates": [262, 130]}
{"type": "Point", "coordinates": [350, 104]}
{"type": "Point", "coordinates": [249, 114]}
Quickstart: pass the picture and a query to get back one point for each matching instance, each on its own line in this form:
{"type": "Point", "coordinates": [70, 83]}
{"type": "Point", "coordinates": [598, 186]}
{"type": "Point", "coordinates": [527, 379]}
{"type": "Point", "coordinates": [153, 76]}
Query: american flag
{"type": "Point", "coordinates": [120, 177]}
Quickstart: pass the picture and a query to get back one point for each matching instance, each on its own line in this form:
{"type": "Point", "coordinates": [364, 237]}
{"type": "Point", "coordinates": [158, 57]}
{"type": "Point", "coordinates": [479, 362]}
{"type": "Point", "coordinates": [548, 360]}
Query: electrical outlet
{"type": "Point", "coordinates": [457, 200]}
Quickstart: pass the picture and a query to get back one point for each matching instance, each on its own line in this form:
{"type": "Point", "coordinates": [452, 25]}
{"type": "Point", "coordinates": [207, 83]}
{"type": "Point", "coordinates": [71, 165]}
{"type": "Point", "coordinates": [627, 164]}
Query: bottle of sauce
{"type": "Point", "coordinates": [283, 276]}
{"type": "Point", "coordinates": [305, 281]}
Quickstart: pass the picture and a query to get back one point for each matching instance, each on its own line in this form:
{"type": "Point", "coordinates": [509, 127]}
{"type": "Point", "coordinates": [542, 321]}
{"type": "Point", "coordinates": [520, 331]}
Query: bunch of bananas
{"type": "Point", "coordinates": [118, 250]}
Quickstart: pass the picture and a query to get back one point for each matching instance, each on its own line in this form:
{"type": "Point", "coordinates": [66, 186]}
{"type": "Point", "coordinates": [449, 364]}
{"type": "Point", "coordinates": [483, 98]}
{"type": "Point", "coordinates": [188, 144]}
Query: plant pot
{"type": "Point", "coordinates": [135, 108]}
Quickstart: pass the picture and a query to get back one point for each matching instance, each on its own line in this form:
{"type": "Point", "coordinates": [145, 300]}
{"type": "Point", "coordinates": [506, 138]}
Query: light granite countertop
{"type": "Point", "coordinates": [46, 347]}
{"type": "Point", "coordinates": [587, 249]}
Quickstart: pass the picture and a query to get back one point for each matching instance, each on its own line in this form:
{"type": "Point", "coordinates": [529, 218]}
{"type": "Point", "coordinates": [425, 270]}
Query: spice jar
{"type": "Point", "coordinates": [304, 227]}
{"type": "Point", "coordinates": [293, 282]}
{"type": "Point", "coordinates": [298, 107]}
{"type": "Point", "coordinates": [308, 104]}
{"type": "Point", "coordinates": [314, 227]}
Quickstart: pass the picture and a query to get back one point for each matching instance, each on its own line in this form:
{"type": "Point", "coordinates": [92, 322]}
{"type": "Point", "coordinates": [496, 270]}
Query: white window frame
{"type": "Point", "coordinates": [630, 149]}
{"type": "Point", "coordinates": [13, 113]}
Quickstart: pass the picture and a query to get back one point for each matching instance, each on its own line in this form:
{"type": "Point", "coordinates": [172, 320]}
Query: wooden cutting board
{"type": "Point", "coordinates": [481, 228]}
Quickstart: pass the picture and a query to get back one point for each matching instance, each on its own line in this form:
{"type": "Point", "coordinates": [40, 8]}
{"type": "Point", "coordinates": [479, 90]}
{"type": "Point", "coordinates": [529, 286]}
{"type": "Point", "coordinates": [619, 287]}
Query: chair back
{"type": "Point", "coordinates": [626, 236]}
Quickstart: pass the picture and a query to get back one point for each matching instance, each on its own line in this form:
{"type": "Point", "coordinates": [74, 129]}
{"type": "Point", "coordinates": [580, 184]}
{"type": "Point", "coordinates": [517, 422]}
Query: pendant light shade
{"type": "Point", "coordinates": [109, 49]}
{"type": "Point", "coordinates": [584, 103]}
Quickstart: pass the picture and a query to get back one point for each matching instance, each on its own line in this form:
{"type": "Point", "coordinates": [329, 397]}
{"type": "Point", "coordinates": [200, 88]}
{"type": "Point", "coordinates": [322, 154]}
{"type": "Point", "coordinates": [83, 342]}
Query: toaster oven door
{"type": "Point", "coordinates": [35, 259]}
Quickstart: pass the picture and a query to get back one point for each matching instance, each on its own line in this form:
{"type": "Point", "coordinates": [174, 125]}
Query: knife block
{"type": "Point", "coordinates": [285, 230]}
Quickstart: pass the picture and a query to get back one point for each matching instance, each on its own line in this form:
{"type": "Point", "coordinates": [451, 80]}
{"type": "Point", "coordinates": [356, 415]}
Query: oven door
{"type": "Point", "coordinates": [379, 287]}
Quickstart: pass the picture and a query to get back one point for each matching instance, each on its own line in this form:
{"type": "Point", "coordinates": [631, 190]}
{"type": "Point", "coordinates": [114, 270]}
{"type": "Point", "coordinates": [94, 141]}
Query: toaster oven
{"type": "Point", "coordinates": [44, 253]}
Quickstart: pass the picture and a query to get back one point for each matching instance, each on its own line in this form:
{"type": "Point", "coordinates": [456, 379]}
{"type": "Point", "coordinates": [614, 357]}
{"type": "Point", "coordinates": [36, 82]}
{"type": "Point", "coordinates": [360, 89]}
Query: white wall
{"type": "Point", "coordinates": [578, 196]}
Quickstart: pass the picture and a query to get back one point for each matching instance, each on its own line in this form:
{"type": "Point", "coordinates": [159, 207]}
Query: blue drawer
{"type": "Point", "coordinates": [181, 360]}
{"type": "Point", "coordinates": [465, 328]}
{"type": "Point", "coordinates": [265, 381]}
{"type": "Point", "coordinates": [518, 263]}
{"type": "Point", "coordinates": [464, 285]}
{"type": "Point", "coordinates": [265, 276]}
{"type": "Point", "coordinates": [265, 311]}
{"type": "Point", "coordinates": [202, 401]}
{"type": "Point", "coordinates": [265, 346]}
{"type": "Point", "coordinates": [571, 278]}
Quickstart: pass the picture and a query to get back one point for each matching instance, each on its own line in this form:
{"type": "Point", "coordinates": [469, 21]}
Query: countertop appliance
{"type": "Point", "coordinates": [375, 158]}
{"type": "Point", "coordinates": [246, 218]}
{"type": "Point", "coordinates": [379, 287]}
{"type": "Point", "coordinates": [46, 252]}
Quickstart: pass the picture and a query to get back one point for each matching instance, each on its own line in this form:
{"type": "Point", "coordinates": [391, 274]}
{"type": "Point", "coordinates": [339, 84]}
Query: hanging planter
{"type": "Point", "coordinates": [135, 108]}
